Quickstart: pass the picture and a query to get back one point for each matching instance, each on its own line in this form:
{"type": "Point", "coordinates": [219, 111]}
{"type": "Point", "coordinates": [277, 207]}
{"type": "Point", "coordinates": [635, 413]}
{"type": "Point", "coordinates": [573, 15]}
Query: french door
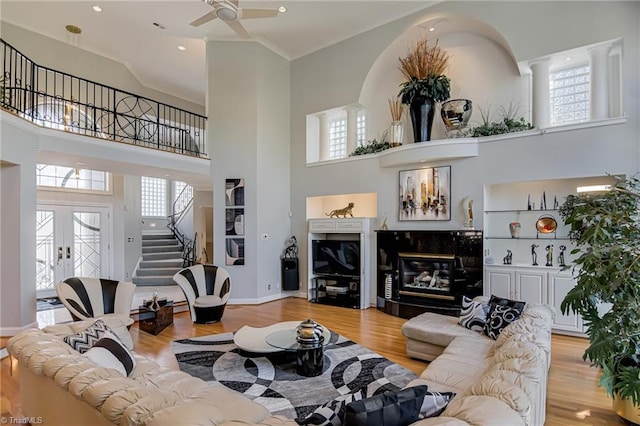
{"type": "Point", "coordinates": [71, 240]}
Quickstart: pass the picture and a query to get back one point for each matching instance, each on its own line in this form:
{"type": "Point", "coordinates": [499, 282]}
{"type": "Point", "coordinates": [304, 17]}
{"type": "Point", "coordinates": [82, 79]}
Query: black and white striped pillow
{"type": "Point", "coordinates": [109, 352]}
{"type": "Point", "coordinates": [329, 413]}
{"type": "Point", "coordinates": [84, 340]}
{"type": "Point", "coordinates": [473, 315]}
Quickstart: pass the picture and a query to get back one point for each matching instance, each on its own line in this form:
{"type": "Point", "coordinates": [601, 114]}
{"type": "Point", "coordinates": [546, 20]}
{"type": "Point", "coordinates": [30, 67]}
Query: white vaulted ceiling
{"type": "Point", "coordinates": [125, 31]}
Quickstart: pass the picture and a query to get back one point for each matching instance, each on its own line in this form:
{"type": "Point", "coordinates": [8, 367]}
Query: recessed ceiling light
{"type": "Point", "coordinates": [432, 29]}
{"type": "Point", "coordinates": [282, 9]}
{"type": "Point", "coordinates": [181, 47]}
{"type": "Point", "coordinates": [97, 8]}
{"type": "Point", "coordinates": [568, 58]}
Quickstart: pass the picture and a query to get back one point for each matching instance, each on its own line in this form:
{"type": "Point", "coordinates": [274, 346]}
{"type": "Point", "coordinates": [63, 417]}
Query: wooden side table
{"type": "Point", "coordinates": [155, 321]}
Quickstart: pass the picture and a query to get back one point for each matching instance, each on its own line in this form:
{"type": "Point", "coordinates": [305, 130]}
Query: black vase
{"type": "Point", "coordinates": [422, 113]}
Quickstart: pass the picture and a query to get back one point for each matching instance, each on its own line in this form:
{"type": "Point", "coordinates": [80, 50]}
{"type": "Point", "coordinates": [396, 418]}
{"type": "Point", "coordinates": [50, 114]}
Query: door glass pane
{"type": "Point", "coordinates": [44, 250]}
{"type": "Point", "coordinates": [86, 244]}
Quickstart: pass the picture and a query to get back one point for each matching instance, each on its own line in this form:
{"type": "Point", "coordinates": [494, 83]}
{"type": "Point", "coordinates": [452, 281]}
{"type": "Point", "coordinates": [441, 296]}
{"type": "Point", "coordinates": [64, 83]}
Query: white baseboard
{"type": "Point", "coordinates": [263, 299]}
{"type": "Point", "coordinates": [12, 331]}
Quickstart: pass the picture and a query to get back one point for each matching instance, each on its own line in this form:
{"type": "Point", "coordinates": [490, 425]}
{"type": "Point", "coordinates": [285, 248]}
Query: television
{"type": "Point", "coordinates": [336, 257]}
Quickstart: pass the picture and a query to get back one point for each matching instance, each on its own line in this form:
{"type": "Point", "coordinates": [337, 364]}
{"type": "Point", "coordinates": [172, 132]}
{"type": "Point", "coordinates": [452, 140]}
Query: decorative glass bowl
{"type": "Point", "coordinates": [546, 225]}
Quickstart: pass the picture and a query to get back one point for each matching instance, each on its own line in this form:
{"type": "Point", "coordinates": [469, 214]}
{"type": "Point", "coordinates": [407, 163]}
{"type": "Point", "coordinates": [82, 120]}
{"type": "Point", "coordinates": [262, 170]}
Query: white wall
{"type": "Point", "coordinates": [17, 230]}
{"type": "Point", "coordinates": [338, 75]}
{"type": "Point", "coordinates": [248, 132]}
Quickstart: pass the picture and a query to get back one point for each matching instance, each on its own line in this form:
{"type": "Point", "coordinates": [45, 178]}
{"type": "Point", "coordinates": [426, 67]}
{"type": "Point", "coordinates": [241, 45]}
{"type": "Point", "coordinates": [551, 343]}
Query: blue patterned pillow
{"type": "Point", "coordinates": [499, 317]}
{"type": "Point", "coordinates": [473, 315]}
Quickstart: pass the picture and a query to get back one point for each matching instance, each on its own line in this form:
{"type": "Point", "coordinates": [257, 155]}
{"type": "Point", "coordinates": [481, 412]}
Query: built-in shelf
{"type": "Point", "coordinates": [421, 152]}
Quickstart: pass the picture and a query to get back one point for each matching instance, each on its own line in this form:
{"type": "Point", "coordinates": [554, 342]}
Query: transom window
{"type": "Point", "coordinates": [570, 96]}
{"type": "Point", "coordinates": [73, 178]}
{"type": "Point", "coordinates": [153, 197]}
{"type": "Point", "coordinates": [337, 138]}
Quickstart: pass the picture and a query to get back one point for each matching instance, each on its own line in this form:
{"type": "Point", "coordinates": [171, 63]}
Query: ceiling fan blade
{"type": "Point", "coordinates": [258, 13]}
{"type": "Point", "coordinates": [204, 19]}
{"type": "Point", "coordinates": [234, 2]}
{"type": "Point", "coordinates": [238, 28]}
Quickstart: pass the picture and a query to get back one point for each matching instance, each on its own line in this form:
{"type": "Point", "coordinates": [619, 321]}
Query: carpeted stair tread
{"type": "Point", "coordinates": [162, 249]}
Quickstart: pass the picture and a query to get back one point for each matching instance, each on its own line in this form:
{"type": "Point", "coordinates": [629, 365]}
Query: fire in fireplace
{"type": "Point", "coordinates": [426, 275]}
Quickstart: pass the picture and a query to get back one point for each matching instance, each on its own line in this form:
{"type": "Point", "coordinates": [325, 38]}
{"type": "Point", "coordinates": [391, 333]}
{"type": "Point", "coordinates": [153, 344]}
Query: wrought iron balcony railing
{"type": "Point", "coordinates": [55, 99]}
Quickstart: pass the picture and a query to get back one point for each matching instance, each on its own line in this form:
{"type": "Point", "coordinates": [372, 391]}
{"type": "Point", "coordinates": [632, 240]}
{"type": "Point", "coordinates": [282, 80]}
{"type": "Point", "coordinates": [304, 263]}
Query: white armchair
{"type": "Point", "coordinates": [96, 297]}
{"type": "Point", "coordinates": [206, 288]}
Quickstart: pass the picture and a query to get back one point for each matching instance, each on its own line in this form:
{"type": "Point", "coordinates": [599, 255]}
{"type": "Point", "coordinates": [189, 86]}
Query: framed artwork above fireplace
{"type": "Point", "coordinates": [425, 194]}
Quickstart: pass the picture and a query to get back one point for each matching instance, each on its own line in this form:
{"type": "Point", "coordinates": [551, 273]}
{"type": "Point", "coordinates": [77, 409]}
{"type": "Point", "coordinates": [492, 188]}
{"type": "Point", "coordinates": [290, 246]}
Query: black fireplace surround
{"type": "Point", "coordinates": [430, 271]}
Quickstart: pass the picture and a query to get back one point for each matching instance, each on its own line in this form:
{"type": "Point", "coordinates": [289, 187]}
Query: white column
{"type": "Point", "coordinates": [599, 81]}
{"type": "Point", "coordinates": [323, 139]}
{"type": "Point", "coordinates": [352, 129]}
{"type": "Point", "coordinates": [540, 93]}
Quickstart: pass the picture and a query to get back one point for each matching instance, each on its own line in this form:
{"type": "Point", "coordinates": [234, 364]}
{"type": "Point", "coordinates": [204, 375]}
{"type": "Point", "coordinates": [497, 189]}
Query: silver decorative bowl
{"type": "Point", "coordinates": [308, 332]}
{"type": "Point", "coordinates": [456, 113]}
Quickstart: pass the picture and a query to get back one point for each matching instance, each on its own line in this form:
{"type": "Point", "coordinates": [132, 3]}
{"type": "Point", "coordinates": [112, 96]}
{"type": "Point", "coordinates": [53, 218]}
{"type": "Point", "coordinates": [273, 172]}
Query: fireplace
{"type": "Point", "coordinates": [425, 275]}
{"type": "Point", "coordinates": [427, 270]}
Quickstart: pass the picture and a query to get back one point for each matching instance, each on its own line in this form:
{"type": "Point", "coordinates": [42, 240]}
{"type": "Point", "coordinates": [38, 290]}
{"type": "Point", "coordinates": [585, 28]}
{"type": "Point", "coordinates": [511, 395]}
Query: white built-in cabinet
{"type": "Point", "coordinates": [535, 285]}
{"type": "Point", "coordinates": [349, 291]}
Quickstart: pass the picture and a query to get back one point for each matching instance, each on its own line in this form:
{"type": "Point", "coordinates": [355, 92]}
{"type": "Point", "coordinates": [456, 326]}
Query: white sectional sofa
{"type": "Point", "coordinates": [498, 383]}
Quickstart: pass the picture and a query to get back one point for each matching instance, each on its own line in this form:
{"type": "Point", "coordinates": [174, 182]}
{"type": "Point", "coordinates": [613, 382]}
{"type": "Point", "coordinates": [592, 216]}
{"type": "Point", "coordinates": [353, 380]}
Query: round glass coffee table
{"type": "Point", "coordinates": [309, 356]}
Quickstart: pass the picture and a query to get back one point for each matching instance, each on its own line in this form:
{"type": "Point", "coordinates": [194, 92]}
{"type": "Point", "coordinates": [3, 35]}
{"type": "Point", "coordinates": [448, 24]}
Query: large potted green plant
{"type": "Point", "coordinates": [424, 67]}
{"type": "Point", "coordinates": [605, 228]}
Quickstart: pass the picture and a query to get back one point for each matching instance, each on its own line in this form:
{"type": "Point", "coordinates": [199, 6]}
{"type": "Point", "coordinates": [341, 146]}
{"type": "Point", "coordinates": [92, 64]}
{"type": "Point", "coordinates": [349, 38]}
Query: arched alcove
{"type": "Point", "coordinates": [482, 68]}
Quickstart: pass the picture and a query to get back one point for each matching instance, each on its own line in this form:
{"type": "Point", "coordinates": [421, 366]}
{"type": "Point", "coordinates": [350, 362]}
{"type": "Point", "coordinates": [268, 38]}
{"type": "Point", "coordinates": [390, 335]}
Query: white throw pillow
{"type": "Point", "coordinates": [109, 352]}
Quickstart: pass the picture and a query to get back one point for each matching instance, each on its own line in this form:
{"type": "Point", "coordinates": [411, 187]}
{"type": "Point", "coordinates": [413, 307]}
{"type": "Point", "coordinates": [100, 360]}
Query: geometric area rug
{"type": "Point", "coordinates": [271, 379]}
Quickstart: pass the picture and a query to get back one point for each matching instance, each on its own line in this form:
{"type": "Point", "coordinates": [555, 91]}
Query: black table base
{"type": "Point", "coordinates": [309, 361]}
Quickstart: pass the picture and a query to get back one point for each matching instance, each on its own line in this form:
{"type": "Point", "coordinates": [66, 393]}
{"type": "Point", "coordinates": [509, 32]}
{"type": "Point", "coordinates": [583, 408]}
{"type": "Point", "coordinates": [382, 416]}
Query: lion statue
{"type": "Point", "coordinates": [342, 212]}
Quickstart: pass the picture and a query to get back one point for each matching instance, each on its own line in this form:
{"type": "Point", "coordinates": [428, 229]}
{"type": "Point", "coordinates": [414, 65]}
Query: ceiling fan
{"type": "Point", "coordinates": [229, 12]}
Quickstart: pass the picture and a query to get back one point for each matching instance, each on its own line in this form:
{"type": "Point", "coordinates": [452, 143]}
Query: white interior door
{"type": "Point", "coordinates": [71, 241]}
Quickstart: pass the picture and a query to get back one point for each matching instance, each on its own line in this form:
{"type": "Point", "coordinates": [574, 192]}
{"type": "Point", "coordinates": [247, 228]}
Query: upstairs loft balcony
{"type": "Point", "coordinates": [57, 100]}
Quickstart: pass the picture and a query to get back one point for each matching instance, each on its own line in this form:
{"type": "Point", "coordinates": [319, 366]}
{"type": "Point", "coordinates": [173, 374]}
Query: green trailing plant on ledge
{"type": "Point", "coordinates": [509, 120]}
{"type": "Point", "coordinates": [605, 228]}
{"type": "Point", "coordinates": [372, 146]}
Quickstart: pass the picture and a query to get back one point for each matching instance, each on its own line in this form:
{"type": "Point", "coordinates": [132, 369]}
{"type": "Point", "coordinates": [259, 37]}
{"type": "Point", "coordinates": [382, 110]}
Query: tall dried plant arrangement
{"type": "Point", "coordinates": [424, 67]}
{"type": "Point", "coordinates": [396, 108]}
{"type": "Point", "coordinates": [424, 60]}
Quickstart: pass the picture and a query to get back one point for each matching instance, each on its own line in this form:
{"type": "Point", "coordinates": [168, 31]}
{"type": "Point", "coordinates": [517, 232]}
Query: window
{"type": "Point", "coordinates": [337, 138]}
{"type": "Point", "coordinates": [73, 178]}
{"type": "Point", "coordinates": [153, 196]}
{"type": "Point", "coordinates": [569, 91]}
{"type": "Point", "coordinates": [361, 128]}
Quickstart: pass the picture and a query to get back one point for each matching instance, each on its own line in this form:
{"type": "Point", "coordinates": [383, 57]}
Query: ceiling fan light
{"type": "Point", "coordinates": [226, 14]}
{"type": "Point", "coordinates": [282, 9]}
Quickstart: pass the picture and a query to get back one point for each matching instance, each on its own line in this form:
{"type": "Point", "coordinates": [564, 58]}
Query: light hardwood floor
{"type": "Point", "coordinates": [573, 398]}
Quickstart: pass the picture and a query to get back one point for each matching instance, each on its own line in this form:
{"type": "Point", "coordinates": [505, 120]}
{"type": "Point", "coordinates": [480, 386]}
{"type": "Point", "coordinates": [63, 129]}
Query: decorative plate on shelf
{"type": "Point", "coordinates": [546, 225]}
